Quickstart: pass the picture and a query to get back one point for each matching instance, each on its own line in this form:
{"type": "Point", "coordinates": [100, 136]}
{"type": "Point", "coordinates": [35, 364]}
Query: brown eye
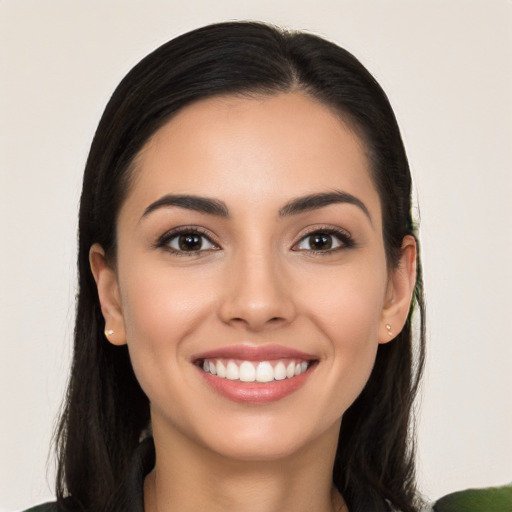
{"type": "Point", "coordinates": [320, 242]}
{"type": "Point", "coordinates": [324, 241]}
{"type": "Point", "coordinates": [190, 242]}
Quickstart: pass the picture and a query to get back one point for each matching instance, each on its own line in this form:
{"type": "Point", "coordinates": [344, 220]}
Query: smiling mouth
{"type": "Point", "coordinates": [255, 371]}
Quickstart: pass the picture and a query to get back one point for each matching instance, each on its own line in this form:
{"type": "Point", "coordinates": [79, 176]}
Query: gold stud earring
{"type": "Point", "coordinates": [388, 327]}
{"type": "Point", "coordinates": [108, 332]}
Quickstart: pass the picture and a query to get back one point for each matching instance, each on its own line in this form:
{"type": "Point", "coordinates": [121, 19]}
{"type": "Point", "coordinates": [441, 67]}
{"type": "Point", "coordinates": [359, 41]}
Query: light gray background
{"type": "Point", "coordinates": [446, 67]}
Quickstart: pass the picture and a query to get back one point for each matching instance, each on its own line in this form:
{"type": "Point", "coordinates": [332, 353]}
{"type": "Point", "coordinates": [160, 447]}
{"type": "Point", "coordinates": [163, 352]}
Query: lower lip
{"type": "Point", "coordinates": [256, 392]}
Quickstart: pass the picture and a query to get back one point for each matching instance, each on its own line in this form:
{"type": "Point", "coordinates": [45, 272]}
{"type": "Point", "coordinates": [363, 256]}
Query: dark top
{"type": "Point", "coordinates": [133, 485]}
{"type": "Point", "coordinates": [131, 498]}
{"type": "Point", "coordinates": [496, 499]}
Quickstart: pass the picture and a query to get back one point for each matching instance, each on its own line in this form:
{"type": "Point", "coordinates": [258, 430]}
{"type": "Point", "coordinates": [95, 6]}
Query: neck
{"type": "Point", "coordinates": [188, 477]}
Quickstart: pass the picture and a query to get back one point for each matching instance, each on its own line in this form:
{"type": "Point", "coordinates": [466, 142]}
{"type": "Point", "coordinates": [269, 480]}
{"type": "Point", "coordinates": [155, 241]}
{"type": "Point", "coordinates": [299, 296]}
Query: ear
{"type": "Point", "coordinates": [402, 281]}
{"type": "Point", "coordinates": [108, 293]}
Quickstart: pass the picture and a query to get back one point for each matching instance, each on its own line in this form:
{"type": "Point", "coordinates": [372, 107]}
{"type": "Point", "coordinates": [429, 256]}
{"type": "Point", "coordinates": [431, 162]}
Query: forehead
{"type": "Point", "coordinates": [254, 150]}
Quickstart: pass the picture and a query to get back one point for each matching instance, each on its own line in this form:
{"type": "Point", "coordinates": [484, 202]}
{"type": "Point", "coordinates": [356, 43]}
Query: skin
{"type": "Point", "coordinates": [258, 282]}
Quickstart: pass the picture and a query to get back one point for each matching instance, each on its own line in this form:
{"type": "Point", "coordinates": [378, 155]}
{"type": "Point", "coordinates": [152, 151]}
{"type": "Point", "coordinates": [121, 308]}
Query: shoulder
{"type": "Point", "coordinates": [45, 507]}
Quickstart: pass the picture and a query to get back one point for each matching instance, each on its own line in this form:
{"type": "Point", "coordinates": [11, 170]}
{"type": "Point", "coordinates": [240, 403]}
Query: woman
{"type": "Point", "coordinates": [248, 270]}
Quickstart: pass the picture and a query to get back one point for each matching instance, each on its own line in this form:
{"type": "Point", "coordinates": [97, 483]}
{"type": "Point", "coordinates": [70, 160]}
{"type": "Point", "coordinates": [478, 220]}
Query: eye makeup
{"type": "Point", "coordinates": [186, 241]}
{"type": "Point", "coordinates": [324, 241]}
{"type": "Point", "coordinates": [192, 240]}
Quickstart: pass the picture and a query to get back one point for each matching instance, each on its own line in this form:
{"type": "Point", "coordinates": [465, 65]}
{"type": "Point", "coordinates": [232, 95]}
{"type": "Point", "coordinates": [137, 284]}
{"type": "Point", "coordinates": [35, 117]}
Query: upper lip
{"type": "Point", "coordinates": [255, 353]}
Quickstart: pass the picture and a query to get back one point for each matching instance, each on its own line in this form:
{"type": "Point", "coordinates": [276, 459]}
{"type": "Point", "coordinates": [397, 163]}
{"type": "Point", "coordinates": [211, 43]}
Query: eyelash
{"type": "Point", "coordinates": [165, 240]}
{"type": "Point", "coordinates": [344, 238]}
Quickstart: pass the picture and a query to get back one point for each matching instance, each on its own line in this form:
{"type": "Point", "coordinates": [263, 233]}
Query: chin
{"type": "Point", "coordinates": [261, 439]}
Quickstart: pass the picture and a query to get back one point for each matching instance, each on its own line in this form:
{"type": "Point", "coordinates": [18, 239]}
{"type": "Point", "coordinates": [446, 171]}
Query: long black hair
{"type": "Point", "coordinates": [105, 409]}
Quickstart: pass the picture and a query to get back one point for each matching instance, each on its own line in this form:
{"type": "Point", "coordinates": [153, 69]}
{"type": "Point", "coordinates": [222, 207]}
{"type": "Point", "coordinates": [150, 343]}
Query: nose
{"type": "Point", "coordinates": [256, 294]}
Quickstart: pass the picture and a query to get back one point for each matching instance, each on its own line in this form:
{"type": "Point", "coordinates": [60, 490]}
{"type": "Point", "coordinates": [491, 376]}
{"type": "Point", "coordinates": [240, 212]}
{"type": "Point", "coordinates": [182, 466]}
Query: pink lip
{"type": "Point", "coordinates": [255, 392]}
{"type": "Point", "coordinates": [255, 353]}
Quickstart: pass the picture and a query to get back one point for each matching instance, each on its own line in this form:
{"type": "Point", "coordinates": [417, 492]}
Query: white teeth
{"type": "Point", "coordinates": [232, 372]}
{"type": "Point", "coordinates": [248, 371]}
{"type": "Point", "coordinates": [264, 372]}
{"type": "Point", "coordinates": [280, 371]}
{"type": "Point", "coordinates": [221, 369]}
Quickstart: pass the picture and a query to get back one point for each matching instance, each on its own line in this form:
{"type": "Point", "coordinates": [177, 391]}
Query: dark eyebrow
{"type": "Point", "coordinates": [196, 203]}
{"type": "Point", "coordinates": [316, 201]}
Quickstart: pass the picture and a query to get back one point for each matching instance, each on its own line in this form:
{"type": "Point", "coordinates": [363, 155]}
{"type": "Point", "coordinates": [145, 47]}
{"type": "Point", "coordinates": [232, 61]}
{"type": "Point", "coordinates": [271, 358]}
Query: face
{"type": "Point", "coordinates": [251, 283]}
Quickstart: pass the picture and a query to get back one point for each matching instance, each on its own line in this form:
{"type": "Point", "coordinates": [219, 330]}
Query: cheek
{"type": "Point", "coordinates": [348, 314]}
{"type": "Point", "coordinates": [348, 304]}
{"type": "Point", "coordinates": [160, 311]}
{"type": "Point", "coordinates": [159, 307]}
